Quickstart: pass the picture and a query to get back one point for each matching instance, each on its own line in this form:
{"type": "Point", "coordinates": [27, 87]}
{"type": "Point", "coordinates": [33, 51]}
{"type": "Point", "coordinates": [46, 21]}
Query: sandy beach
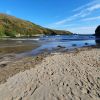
{"type": "Point", "coordinates": [57, 76]}
{"type": "Point", "coordinates": [50, 50]}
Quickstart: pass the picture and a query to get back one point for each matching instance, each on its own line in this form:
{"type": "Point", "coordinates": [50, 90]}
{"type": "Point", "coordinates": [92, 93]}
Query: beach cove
{"type": "Point", "coordinates": [50, 50]}
{"type": "Point", "coordinates": [51, 68]}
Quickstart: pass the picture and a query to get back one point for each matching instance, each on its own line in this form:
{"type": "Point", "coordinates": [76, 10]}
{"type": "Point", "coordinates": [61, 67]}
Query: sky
{"type": "Point", "coordinates": [77, 16]}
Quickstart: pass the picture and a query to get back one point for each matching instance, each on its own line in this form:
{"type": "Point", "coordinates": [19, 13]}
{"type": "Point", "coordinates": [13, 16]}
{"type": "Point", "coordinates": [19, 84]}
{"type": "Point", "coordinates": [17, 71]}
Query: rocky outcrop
{"type": "Point", "coordinates": [97, 31]}
{"type": "Point", "coordinates": [97, 35]}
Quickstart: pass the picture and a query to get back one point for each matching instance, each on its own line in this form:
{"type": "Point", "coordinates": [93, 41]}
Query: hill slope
{"type": "Point", "coordinates": [12, 26]}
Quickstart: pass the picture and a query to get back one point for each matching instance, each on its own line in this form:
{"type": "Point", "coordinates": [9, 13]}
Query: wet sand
{"type": "Point", "coordinates": [57, 76]}
{"type": "Point", "coordinates": [10, 54]}
{"type": "Point", "coordinates": [8, 69]}
{"type": "Point", "coordinates": [17, 49]}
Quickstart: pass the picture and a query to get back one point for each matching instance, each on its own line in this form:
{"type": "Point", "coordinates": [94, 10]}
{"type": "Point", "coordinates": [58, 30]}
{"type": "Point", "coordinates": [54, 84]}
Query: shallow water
{"type": "Point", "coordinates": [51, 43]}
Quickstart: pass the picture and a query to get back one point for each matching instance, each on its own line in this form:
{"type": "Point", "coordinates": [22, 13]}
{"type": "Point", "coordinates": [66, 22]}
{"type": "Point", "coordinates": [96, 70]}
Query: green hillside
{"type": "Point", "coordinates": [15, 27]}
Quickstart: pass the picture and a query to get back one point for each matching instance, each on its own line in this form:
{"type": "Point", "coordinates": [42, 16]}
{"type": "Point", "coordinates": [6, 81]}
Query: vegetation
{"type": "Point", "coordinates": [15, 27]}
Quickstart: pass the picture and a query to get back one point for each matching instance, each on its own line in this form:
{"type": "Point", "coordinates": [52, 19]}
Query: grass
{"type": "Point", "coordinates": [15, 27]}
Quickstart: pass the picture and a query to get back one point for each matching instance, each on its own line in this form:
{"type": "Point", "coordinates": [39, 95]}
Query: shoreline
{"type": "Point", "coordinates": [11, 65]}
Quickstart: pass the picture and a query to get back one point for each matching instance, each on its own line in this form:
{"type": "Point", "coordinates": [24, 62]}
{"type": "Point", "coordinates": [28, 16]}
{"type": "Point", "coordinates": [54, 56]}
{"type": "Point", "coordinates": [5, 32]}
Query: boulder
{"type": "Point", "coordinates": [97, 31]}
{"type": "Point", "coordinates": [97, 35]}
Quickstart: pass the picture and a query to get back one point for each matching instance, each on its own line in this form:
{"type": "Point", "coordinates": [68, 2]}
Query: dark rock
{"type": "Point", "coordinates": [86, 43]}
{"type": "Point", "coordinates": [2, 65]}
{"type": "Point", "coordinates": [97, 35]}
{"type": "Point", "coordinates": [74, 45]}
{"type": "Point", "coordinates": [97, 41]}
{"type": "Point", "coordinates": [97, 31]}
{"type": "Point", "coordinates": [59, 46]}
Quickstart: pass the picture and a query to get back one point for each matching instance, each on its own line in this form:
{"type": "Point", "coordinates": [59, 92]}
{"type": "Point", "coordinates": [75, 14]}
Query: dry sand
{"type": "Point", "coordinates": [60, 76]}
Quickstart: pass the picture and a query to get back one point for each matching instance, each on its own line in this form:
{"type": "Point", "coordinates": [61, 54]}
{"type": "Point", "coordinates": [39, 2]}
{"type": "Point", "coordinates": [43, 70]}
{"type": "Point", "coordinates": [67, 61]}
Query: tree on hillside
{"type": "Point", "coordinates": [2, 31]}
{"type": "Point", "coordinates": [10, 33]}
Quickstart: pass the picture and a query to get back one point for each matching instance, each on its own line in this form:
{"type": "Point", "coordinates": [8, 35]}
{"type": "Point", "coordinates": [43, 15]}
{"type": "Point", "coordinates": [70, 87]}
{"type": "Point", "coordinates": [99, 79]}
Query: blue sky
{"type": "Point", "coordinates": [78, 16]}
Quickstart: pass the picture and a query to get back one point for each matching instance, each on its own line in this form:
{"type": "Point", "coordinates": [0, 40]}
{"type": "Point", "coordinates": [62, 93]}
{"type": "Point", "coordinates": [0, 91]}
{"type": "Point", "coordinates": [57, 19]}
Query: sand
{"type": "Point", "coordinates": [60, 76]}
{"type": "Point", "coordinates": [11, 65]}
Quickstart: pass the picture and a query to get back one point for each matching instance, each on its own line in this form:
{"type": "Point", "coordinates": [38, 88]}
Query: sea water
{"type": "Point", "coordinates": [52, 42]}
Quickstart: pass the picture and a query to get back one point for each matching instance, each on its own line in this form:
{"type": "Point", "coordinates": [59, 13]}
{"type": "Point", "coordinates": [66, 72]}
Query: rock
{"type": "Point", "coordinates": [74, 45]}
{"type": "Point", "coordinates": [97, 35]}
{"type": "Point", "coordinates": [2, 65]}
{"type": "Point", "coordinates": [97, 31]}
{"type": "Point", "coordinates": [59, 46]}
{"type": "Point", "coordinates": [86, 43]}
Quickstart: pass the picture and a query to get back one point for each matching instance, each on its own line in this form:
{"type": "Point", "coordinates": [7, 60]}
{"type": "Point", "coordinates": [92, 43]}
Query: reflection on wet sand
{"type": "Point", "coordinates": [17, 49]}
{"type": "Point", "coordinates": [97, 40]}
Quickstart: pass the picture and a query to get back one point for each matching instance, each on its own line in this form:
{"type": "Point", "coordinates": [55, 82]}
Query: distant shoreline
{"type": "Point", "coordinates": [36, 37]}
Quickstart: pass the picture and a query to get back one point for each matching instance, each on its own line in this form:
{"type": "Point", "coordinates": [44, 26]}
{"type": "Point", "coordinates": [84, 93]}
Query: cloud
{"type": "Point", "coordinates": [88, 9]}
{"type": "Point", "coordinates": [79, 14]}
{"type": "Point", "coordinates": [83, 30]}
{"type": "Point", "coordinates": [93, 2]}
{"type": "Point", "coordinates": [64, 21]}
{"type": "Point", "coordinates": [94, 7]}
{"type": "Point", "coordinates": [91, 18]}
{"type": "Point", "coordinates": [58, 26]}
{"type": "Point", "coordinates": [83, 11]}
